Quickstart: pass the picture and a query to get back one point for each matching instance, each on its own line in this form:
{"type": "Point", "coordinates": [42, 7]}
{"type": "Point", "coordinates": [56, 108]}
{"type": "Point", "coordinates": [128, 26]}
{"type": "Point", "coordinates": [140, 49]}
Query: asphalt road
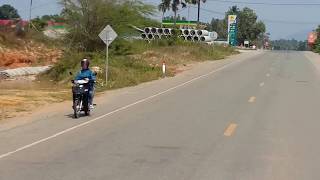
{"type": "Point", "coordinates": [254, 119]}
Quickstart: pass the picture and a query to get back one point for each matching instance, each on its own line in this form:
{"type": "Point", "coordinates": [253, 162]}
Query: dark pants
{"type": "Point", "coordinates": [91, 95]}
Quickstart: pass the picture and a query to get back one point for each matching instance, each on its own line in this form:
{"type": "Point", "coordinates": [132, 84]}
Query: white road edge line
{"type": "Point", "coordinates": [261, 84]}
{"type": "Point", "coordinates": [115, 111]}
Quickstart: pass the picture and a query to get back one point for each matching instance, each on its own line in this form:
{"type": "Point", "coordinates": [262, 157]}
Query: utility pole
{"type": "Point", "coordinates": [30, 13]}
{"type": "Point", "coordinates": [188, 16]}
{"type": "Point", "coordinates": [199, 12]}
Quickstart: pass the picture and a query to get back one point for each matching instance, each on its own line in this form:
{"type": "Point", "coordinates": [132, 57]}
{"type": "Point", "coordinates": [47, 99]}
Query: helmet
{"type": "Point", "coordinates": [85, 62]}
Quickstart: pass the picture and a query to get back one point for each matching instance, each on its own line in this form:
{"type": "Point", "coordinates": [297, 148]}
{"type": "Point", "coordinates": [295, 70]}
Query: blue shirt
{"type": "Point", "coordinates": [86, 73]}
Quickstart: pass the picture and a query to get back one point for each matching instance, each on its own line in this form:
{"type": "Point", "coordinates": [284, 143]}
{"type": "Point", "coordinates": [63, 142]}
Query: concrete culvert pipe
{"type": "Point", "coordinates": [213, 35]}
{"type": "Point", "coordinates": [160, 31]}
{"type": "Point", "coordinates": [166, 31]}
{"type": "Point", "coordinates": [154, 30]}
{"type": "Point", "coordinates": [156, 36]}
{"type": "Point", "coordinates": [147, 30]}
{"type": "Point", "coordinates": [206, 39]}
{"type": "Point", "coordinates": [203, 33]}
{"type": "Point", "coordinates": [192, 32]}
{"type": "Point", "coordinates": [143, 36]}
{"type": "Point", "coordinates": [180, 32]}
{"type": "Point", "coordinates": [186, 32]}
{"type": "Point", "coordinates": [189, 38]}
{"type": "Point", "coordinates": [150, 36]}
{"type": "Point", "coordinates": [196, 38]}
{"type": "Point", "coordinates": [174, 31]}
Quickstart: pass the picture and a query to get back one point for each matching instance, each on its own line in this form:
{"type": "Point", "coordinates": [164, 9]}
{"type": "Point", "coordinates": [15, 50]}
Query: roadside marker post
{"type": "Point", "coordinates": [107, 35]}
{"type": "Point", "coordinates": [163, 69]}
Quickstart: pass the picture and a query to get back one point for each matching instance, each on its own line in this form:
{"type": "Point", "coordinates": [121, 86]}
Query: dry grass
{"type": "Point", "coordinates": [15, 101]}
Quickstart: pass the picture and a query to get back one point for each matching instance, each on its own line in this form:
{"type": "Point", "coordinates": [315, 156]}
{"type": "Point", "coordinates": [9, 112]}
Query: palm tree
{"type": "Point", "coordinates": [164, 6]}
{"type": "Point", "coordinates": [173, 5]}
{"type": "Point", "coordinates": [196, 2]}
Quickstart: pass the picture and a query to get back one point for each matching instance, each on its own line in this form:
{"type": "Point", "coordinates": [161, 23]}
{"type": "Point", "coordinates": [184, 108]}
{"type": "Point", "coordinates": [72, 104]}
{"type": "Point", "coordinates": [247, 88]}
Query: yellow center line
{"type": "Point", "coordinates": [230, 130]}
{"type": "Point", "coordinates": [252, 99]}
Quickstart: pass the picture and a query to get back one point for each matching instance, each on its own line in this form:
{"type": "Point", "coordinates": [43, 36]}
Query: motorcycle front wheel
{"type": "Point", "coordinates": [76, 108]}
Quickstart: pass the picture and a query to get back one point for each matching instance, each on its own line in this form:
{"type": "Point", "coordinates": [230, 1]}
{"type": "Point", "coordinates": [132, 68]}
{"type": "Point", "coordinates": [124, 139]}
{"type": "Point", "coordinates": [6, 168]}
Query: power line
{"type": "Point", "coordinates": [265, 20]}
{"type": "Point", "coordinates": [266, 3]}
{"type": "Point", "coordinates": [208, 10]}
{"type": "Point", "coordinates": [39, 6]}
{"type": "Point", "coordinates": [289, 22]}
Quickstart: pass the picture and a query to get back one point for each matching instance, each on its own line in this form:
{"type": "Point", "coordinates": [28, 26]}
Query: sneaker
{"type": "Point", "coordinates": [91, 106]}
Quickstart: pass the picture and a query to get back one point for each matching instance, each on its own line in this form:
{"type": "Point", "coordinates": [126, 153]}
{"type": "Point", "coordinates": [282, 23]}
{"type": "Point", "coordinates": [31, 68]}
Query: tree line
{"type": "Point", "coordinates": [292, 44]}
{"type": "Point", "coordinates": [249, 27]}
{"type": "Point", "coordinates": [85, 19]}
{"type": "Point", "coordinates": [8, 12]}
{"type": "Point", "coordinates": [175, 5]}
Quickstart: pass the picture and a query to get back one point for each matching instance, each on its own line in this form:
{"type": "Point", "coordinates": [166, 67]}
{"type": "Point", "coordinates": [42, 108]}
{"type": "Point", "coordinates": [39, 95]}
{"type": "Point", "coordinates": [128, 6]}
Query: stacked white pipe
{"type": "Point", "coordinates": [152, 33]}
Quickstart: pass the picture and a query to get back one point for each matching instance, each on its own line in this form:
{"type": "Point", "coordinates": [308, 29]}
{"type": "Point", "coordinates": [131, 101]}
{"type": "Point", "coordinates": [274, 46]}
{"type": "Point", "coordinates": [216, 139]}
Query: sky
{"type": "Point", "coordinates": [282, 21]}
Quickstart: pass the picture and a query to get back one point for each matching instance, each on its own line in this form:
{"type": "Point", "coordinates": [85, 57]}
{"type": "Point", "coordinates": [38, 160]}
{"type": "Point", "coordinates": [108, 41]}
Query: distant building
{"type": "Point", "coordinates": [10, 25]}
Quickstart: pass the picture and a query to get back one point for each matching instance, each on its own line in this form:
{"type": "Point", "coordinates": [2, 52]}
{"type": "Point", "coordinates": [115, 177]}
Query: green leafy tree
{"type": "Point", "coordinates": [316, 46]}
{"type": "Point", "coordinates": [86, 19]}
{"type": "Point", "coordinates": [8, 12]}
{"type": "Point", "coordinates": [41, 22]}
{"type": "Point", "coordinates": [219, 26]}
{"type": "Point", "coordinates": [164, 6]}
{"type": "Point", "coordinates": [302, 46]}
{"type": "Point", "coordinates": [178, 18]}
{"type": "Point", "coordinates": [249, 28]}
{"type": "Point", "coordinates": [292, 44]}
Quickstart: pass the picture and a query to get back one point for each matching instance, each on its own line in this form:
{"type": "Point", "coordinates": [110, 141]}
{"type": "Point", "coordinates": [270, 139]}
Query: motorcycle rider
{"type": "Point", "coordinates": [84, 74]}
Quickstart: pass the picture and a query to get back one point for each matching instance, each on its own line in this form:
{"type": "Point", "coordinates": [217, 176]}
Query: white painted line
{"type": "Point", "coordinates": [268, 75]}
{"type": "Point", "coordinates": [252, 99]}
{"type": "Point", "coordinates": [113, 112]}
{"type": "Point", "coordinates": [261, 84]}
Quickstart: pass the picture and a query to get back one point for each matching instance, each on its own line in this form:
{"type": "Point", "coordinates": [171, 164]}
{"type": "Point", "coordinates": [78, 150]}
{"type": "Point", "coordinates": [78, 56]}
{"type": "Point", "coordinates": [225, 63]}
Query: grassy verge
{"type": "Point", "coordinates": [134, 62]}
{"type": "Point", "coordinates": [131, 63]}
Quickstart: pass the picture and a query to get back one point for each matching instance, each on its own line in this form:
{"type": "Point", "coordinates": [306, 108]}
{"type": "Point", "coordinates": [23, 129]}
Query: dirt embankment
{"type": "Point", "coordinates": [22, 94]}
{"type": "Point", "coordinates": [31, 54]}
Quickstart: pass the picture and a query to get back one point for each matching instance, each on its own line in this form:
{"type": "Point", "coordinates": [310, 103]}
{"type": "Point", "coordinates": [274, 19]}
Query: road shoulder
{"type": "Point", "coordinates": [314, 58]}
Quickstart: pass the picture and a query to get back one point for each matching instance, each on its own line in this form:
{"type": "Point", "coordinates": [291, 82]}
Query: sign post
{"type": "Point", "coordinates": [107, 35]}
{"type": "Point", "coordinates": [107, 58]}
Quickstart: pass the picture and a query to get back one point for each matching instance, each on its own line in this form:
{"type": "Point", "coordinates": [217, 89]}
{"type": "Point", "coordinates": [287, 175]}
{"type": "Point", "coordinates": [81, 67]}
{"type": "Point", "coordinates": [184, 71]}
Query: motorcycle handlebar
{"type": "Point", "coordinates": [90, 81]}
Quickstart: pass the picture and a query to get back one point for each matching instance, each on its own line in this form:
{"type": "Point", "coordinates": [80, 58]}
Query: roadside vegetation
{"type": "Point", "coordinates": [316, 46]}
{"type": "Point", "coordinates": [139, 62]}
{"type": "Point", "coordinates": [292, 44]}
{"type": "Point", "coordinates": [249, 27]}
{"type": "Point", "coordinates": [131, 61]}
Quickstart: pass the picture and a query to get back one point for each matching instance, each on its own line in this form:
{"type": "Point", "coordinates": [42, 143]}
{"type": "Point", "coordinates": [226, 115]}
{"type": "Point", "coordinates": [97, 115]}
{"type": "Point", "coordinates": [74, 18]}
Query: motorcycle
{"type": "Point", "coordinates": [80, 92]}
